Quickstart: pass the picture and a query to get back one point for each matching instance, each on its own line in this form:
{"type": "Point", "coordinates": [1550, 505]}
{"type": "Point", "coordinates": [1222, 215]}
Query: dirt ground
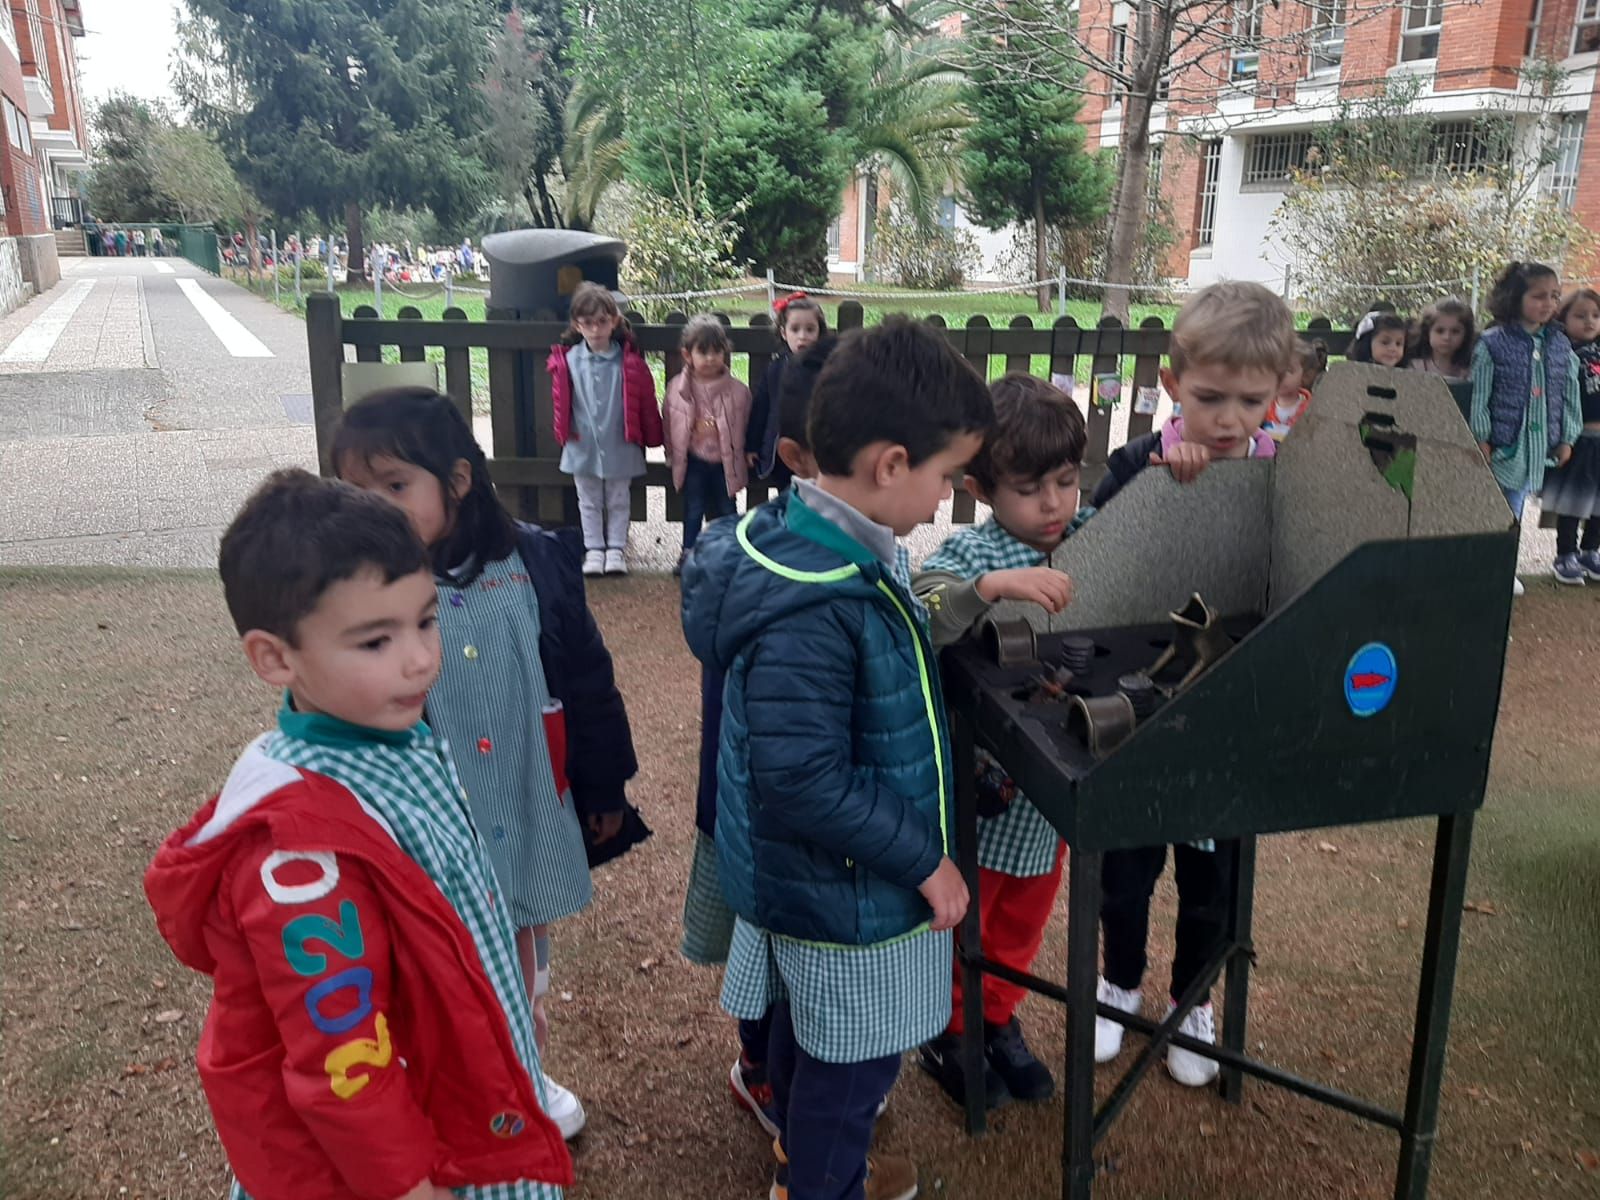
{"type": "Point", "coordinates": [125, 702]}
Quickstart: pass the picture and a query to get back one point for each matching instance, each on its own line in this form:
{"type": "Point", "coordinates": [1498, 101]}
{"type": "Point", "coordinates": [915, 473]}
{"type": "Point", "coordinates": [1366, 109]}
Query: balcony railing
{"type": "Point", "coordinates": [66, 212]}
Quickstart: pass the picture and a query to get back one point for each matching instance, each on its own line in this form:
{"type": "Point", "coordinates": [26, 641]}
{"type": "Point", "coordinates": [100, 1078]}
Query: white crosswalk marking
{"type": "Point", "coordinates": [164, 268]}
{"type": "Point", "coordinates": [235, 338]}
{"type": "Point", "coordinates": [35, 342]}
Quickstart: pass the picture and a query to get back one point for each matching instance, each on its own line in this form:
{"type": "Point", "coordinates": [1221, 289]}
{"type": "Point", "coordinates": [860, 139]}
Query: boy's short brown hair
{"type": "Point", "coordinates": [297, 536]}
{"type": "Point", "coordinates": [1037, 429]}
{"type": "Point", "coordinates": [1234, 324]}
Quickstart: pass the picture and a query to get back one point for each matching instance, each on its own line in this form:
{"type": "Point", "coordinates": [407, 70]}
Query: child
{"type": "Point", "coordinates": [801, 325]}
{"type": "Point", "coordinates": [1443, 345]}
{"type": "Point", "coordinates": [707, 919]}
{"type": "Point", "coordinates": [1380, 339]}
{"type": "Point", "coordinates": [368, 1033]}
{"type": "Point", "coordinates": [604, 399]}
{"type": "Point", "coordinates": [1294, 394]}
{"type": "Point", "coordinates": [705, 416]}
{"type": "Point", "coordinates": [1027, 472]}
{"type": "Point", "coordinates": [1525, 405]}
{"type": "Point", "coordinates": [1232, 344]}
{"type": "Point", "coordinates": [833, 775]}
{"type": "Point", "coordinates": [1572, 494]}
{"type": "Point", "coordinates": [527, 698]}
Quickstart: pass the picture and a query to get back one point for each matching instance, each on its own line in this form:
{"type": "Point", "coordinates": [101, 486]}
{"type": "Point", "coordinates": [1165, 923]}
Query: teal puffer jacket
{"type": "Point", "coordinates": [833, 774]}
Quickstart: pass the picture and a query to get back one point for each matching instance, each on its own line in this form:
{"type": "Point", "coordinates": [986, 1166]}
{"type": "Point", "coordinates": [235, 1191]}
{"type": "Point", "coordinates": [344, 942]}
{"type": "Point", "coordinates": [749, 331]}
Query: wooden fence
{"type": "Point", "coordinates": [526, 457]}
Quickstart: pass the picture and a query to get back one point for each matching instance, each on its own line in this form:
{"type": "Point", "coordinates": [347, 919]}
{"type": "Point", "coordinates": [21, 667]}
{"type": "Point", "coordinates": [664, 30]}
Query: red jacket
{"type": "Point", "coordinates": [641, 414]}
{"type": "Point", "coordinates": [354, 1045]}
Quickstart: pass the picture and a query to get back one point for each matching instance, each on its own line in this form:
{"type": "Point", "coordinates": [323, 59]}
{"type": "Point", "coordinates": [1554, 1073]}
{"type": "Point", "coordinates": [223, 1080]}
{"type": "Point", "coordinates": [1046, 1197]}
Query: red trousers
{"type": "Point", "coordinates": [1012, 913]}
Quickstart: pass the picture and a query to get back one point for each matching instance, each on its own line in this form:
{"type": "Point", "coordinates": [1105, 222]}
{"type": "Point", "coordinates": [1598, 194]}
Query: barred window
{"type": "Point", "coordinates": [1152, 195]}
{"type": "Point", "coordinates": [1210, 168]}
{"type": "Point", "coordinates": [1275, 156]}
{"type": "Point", "coordinates": [1586, 27]}
{"type": "Point", "coordinates": [1561, 175]}
{"type": "Point", "coordinates": [1468, 145]}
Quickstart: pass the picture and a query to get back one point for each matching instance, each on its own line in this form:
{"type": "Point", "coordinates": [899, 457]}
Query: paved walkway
{"type": "Point", "coordinates": [141, 400]}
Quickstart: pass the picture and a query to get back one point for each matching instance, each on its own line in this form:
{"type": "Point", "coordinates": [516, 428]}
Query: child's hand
{"type": "Point", "coordinates": [1563, 454]}
{"type": "Point", "coordinates": [605, 826]}
{"type": "Point", "coordinates": [1044, 586]}
{"type": "Point", "coordinates": [1186, 461]}
{"type": "Point", "coordinates": [753, 460]}
{"type": "Point", "coordinates": [946, 891]}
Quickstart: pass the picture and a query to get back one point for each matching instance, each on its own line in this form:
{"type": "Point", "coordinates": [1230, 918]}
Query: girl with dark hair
{"type": "Point", "coordinates": [1380, 339]}
{"type": "Point", "coordinates": [1571, 496]}
{"type": "Point", "coordinates": [1525, 413]}
{"type": "Point", "coordinates": [1445, 335]}
{"type": "Point", "coordinates": [526, 699]}
{"type": "Point", "coordinates": [705, 417]}
{"type": "Point", "coordinates": [801, 325]}
{"type": "Point", "coordinates": [605, 415]}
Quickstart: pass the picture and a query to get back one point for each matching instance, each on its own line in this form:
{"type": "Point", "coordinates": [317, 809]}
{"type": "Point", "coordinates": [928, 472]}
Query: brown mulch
{"type": "Point", "coordinates": [125, 701]}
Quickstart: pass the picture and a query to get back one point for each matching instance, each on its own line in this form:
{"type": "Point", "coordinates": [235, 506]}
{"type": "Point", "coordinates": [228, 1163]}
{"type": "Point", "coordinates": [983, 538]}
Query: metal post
{"type": "Point", "coordinates": [772, 290]}
{"type": "Point", "coordinates": [377, 279]}
{"type": "Point", "coordinates": [1452, 848]}
{"type": "Point", "coordinates": [1083, 948]}
{"type": "Point", "coordinates": [1061, 291]}
{"type": "Point", "coordinates": [328, 266]}
{"type": "Point", "coordinates": [1236, 997]}
{"type": "Point", "coordinates": [449, 291]}
{"type": "Point", "coordinates": [299, 253]}
{"type": "Point", "coordinates": [275, 297]}
{"type": "Point", "coordinates": [963, 763]}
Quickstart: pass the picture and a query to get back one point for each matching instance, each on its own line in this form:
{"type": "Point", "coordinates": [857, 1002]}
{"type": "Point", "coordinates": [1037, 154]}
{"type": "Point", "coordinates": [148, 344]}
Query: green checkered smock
{"type": "Point", "coordinates": [406, 781]}
{"type": "Point", "coordinates": [1019, 842]}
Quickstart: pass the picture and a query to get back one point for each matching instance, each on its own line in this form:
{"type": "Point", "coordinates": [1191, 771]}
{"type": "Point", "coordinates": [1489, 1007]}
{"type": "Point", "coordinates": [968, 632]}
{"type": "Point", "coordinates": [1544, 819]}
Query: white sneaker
{"type": "Point", "coordinates": [1187, 1067]}
{"type": "Point", "coordinates": [616, 564]}
{"type": "Point", "coordinates": [1107, 1033]}
{"type": "Point", "coordinates": [594, 562]}
{"type": "Point", "coordinates": [562, 1107]}
{"type": "Point", "coordinates": [1516, 586]}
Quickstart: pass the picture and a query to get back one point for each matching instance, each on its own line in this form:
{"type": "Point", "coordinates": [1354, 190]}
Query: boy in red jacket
{"type": "Point", "coordinates": [369, 1033]}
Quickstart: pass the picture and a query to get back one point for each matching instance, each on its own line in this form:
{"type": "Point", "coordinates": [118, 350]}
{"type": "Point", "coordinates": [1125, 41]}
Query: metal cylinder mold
{"type": "Point", "coordinates": [1141, 693]}
{"type": "Point", "coordinates": [1102, 723]}
{"type": "Point", "coordinates": [1077, 653]}
{"type": "Point", "coordinates": [1011, 643]}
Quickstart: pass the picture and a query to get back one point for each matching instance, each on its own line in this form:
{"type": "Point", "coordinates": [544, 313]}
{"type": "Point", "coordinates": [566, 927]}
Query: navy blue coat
{"type": "Point", "coordinates": [578, 672]}
{"type": "Point", "coordinates": [833, 776]}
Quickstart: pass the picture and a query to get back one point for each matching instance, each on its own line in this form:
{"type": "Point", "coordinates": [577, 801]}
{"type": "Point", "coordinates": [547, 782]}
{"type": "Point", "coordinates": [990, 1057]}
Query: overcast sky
{"type": "Point", "coordinates": [127, 46]}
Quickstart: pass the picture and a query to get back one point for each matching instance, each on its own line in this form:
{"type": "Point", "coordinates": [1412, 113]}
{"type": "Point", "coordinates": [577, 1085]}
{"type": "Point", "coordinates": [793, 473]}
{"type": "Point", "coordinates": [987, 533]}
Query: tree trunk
{"type": "Point", "coordinates": [1039, 245]}
{"type": "Point", "coordinates": [355, 261]}
{"type": "Point", "coordinates": [1128, 208]}
{"type": "Point", "coordinates": [252, 247]}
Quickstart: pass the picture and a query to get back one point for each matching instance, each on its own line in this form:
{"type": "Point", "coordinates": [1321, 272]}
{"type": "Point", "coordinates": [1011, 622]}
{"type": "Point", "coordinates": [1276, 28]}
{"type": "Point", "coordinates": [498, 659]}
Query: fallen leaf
{"type": "Point", "coordinates": [1207, 1129]}
{"type": "Point", "coordinates": [1486, 907]}
{"type": "Point", "coordinates": [168, 1016]}
{"type": "Point", "coordinates": [1588, 1160]}
{"type": "Point", "coordinates": [1327, 847]}
{"type": "Point", "coordinates": [647, 964]}
{"type": "Point", "coordinates": [135, 1069]}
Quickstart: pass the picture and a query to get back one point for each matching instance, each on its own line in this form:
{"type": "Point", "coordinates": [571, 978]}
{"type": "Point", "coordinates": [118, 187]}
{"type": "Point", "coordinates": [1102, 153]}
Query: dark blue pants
{"type": "Point", "coordinates": [755, 1039]}
{"type": "Point", "coordinates": [827, 1112]}
{"type": "Point", "coordinates": [705, 497]}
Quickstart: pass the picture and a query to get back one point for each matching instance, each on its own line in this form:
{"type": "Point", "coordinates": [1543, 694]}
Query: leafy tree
{"type": "Point", "coordinates": [123, 185]}
{"type": "Point", "coordinates": [525, 94]}
{"type": "Point", "coordinates": [196, 181]}
{"type": "Point", "coordinates": [342, 105]}
{"type": "Point", "coordinates": [1025, 159]}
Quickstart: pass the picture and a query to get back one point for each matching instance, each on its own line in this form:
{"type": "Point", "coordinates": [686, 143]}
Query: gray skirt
{"type": "Point", "coordinates": [1574, 490]}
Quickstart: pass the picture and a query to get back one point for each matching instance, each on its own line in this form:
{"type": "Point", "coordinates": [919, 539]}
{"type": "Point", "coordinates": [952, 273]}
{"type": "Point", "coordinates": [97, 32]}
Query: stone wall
{"type": "Point", "coordinates": [36, 254]}
{"type": "Point", "coordinates": [12, 292]}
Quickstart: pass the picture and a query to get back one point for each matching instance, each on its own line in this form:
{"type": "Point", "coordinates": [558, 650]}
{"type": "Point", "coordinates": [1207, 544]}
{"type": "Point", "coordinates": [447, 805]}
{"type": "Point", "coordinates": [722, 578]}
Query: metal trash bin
{"type": "Point", "coordinates": [533, 272]}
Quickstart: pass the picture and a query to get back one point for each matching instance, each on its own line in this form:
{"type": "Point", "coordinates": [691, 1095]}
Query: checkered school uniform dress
{"type": "Point", "coordinates": [1019, 842]}
{"type": "Point", "coordinates": [407, 781]}
{"type": "Point", "coordinates": [848, 1003]}
{"type": "Point", "coordinates": [488, 707]}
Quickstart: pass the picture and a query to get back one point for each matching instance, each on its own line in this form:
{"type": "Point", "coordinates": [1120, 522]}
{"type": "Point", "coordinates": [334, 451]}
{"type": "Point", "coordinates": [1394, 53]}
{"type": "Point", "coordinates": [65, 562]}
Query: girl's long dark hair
{"type": "Point", "coordinates": [419, 426]}
{"type": "Point", "coordinates": [1461, 312]}
{"type": "Point", "coordinates": [1505, 298]}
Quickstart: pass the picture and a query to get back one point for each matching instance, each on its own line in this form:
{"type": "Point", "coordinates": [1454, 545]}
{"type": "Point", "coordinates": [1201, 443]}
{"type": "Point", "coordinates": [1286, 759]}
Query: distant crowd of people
{"type": "Point", "coordinates": [406, 263]}
{"type": "Point", "coordinates": [113, 241]}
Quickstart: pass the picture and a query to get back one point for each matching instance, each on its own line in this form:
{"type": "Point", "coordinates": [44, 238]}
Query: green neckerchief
{"type": "Point", "coordinates": [320, 729]}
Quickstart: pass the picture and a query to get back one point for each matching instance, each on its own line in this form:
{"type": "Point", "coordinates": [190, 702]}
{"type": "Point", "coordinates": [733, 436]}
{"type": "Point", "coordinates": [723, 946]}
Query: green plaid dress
{"type": "Point", "coordinates": [407, 781]}
{"type": "Point", "coordinates": [848, 1003]}
{"type": "Point", "coordinates": [1019, 842]}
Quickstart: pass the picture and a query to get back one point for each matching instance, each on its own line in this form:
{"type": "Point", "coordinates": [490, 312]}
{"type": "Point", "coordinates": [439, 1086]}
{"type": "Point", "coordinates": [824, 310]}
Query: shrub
{"type": "Point", "coordinates": [928, 257]}
{"type": "Point", "coordinates": [670, 250]}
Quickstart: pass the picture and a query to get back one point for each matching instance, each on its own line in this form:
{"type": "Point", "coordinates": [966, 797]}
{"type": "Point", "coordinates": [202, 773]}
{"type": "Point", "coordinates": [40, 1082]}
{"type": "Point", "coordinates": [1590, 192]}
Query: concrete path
{"type": "Point", "coordinates": [141, 400]}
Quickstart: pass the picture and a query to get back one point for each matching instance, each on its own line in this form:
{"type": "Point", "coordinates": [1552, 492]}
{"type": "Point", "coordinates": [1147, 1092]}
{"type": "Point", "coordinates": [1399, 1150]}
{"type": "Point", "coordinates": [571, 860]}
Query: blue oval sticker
{"type": "Point", "coordinates": [1370, 679]}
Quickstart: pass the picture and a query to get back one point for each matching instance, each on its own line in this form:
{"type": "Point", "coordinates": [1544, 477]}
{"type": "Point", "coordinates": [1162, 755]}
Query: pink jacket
{"type": "Point", "coordinates": [641, 415]}
{"type": "Point", "coordinates": [730, 403]}
{"type": "Point", "coordinates": [1172, 434]}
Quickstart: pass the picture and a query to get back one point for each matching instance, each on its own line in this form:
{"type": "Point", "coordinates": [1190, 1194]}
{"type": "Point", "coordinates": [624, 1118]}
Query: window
{"type": "Point", "coordinates": [1245, 59]}
{"type": "Point", "coordinates": [17, 130]}
{"type": "Point", "coordinates": [1470, 145]}
{"type": "Point", "coordinates": [834, 235]}
{"type": "Point", "coordinates": [1152, 182]}
{"type": "Point", "coordinates": [1327, 35]}
{"type": "Point", "coordinates": [1210, 168]}
{"type": "Point", "coordinates": [947, 212]}
{"type": "Point", "coordinates": [1119, 58]}
{"type": "Point", "coordinates": [1421, 37]}
{"type": "Point", "coordinates": [8, 28]}
{"type": "Point", "coordinates": [1274, 157]}
{"type": "Point", "coordinates": [1532, 42]}
{"type": "Point", "coordinates": [1561, 175]}
{"type": "Point", "coordinates": [1586, 27]}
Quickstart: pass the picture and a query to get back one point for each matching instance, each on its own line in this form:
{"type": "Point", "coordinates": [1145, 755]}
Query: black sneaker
{"type": "Point", "coordinates": [941, 1058]}
{"type": "Point", "coordinates": [1025, 1076]}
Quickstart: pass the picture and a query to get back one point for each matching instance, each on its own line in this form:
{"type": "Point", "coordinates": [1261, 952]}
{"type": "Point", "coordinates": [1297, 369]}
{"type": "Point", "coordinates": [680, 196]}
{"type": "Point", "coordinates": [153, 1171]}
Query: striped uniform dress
{"type": "Point", "coordinates": [488, 707]}
{"type": "Point", "coordinates": [407, 781]}
{"type": "Point", "coordinates": [848, 1003]}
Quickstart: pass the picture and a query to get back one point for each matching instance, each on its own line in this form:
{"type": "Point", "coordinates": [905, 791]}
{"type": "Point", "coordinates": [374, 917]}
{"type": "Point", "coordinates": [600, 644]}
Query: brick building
{"type": "Point", "coordinates": [43, 137]}
{"type": "Point", "coordinates": [1247, 119]}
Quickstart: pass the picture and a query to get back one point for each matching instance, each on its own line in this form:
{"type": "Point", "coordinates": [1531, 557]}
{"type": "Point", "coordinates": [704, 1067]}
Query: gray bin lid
{"type": "Point", "coordinates": [525, 263]}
